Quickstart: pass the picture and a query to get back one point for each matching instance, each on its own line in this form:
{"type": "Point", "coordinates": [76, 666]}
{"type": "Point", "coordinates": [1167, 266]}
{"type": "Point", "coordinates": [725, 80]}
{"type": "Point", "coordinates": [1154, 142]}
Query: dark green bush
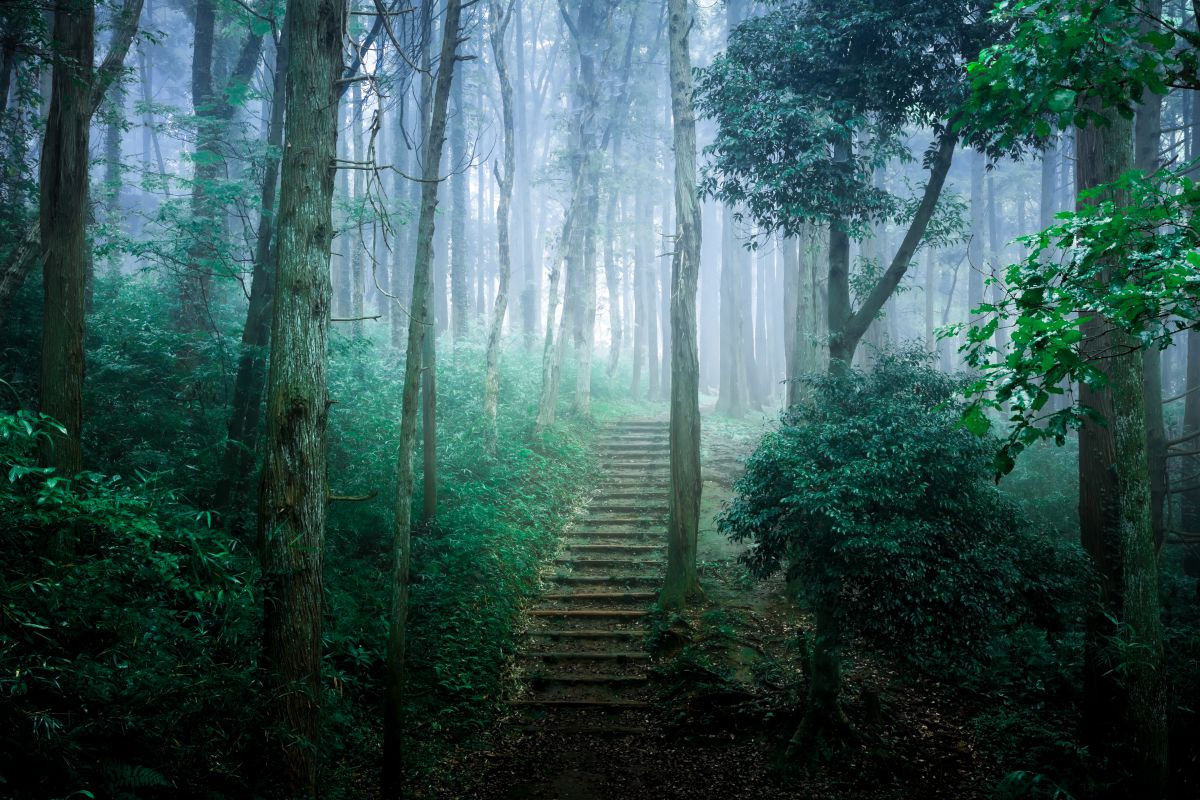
{"type": "Point", "coordinates": [126, 662]}
{"type": "Point", "coordinates": [877, 499]}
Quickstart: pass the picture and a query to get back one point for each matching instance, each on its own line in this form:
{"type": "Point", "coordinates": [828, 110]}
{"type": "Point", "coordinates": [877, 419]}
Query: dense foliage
{"type": "Point", "coordinates": [807, 74]}
{"type": "Point", "coordinates": [881, 505]}
{"type": "Point", "coordinates": [144, 641]}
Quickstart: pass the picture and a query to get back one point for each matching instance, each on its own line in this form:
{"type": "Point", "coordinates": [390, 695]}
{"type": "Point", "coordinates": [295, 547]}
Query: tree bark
{"type": "Point", "coordinates": [504, 177]}
{"type": "Point", "coordinates": [212, 110]}
{"type": "Point", "coordinates": [1147, 133]}
{"type": "Point", "coordinates": [681, 582]}
{"type": "Point", "coordinates": [460, 290]}
{"type": "Point", "coordinates": [242, 434]}
{"type": "Point", "coordinates": [62, 222]}
{"type": "Point", "coordinates": [24, 255]}
{"type": "Point", "coordinates": [294, 492]}
{"type": "Point", "coordinates": [1124, 697]}
{"type": "Point", "coordinates": [847, 327]}
{"type": "Point", "coordinates": [419, 328]}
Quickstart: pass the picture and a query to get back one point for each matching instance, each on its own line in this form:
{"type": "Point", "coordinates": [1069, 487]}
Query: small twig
{"type": "Point", "coordinates": [353, 319]}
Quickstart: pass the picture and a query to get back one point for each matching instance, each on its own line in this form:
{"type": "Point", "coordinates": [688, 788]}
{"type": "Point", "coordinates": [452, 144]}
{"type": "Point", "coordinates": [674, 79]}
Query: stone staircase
{"type": "Point", "coordinates": [584, 663]}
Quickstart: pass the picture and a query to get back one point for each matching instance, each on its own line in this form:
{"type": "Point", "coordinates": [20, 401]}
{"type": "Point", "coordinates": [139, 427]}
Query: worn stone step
{"type": "Point", "coordinates": [632, 494]}
{"type": "Point", "coordinates": [637, 467]}
{"type": "Point", "coordinates": [600, 580]}
{"type": "Point", "coordinates": [585, 655]}
{"type": "Point", "coordinates": [586, 633]}
{"type": "Point", "coordinates": [617, 548]}
{"type": "Point", "coordinates": [596, 702]}
{"type": "Point", "coordinates": [585, 730]}
{"type": "Point", "coordinates": [589, 613]}
{"type": "Point", "coordinates": [584, 537]}
{"type": "Point", "coordinates": [626, 508]}
{"type": "Point", "coordinates": [607, 563]}
{"type": "Point", "coordinates": [590, 680]}
{"type": "Point", "coordinates": [592, 597]}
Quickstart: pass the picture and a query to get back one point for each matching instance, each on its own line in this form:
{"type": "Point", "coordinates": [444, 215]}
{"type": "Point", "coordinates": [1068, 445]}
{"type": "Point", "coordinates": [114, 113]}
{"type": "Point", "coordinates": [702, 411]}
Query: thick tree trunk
{"type": "Point", "coordinates": [681, 582]}
{"type": "Point", "coordinates": [1124, 698]}
{"type": "Point", "coordinates": [294, 491]}
{"type": "Point", "coordinates": [1147, 133]}
{"type": "Point", "coordinates": [242, 436]}
{"type": "Point", "coordinates": [824, 727]}
{"type": "Point", "coordinates": [24, 255]}
{"type": "Point", "coordinates": [62, 222]}
{"type": "Point", "coordinates": [1190, 500]}
{"type": "Point", "coordinates": [419, 328]}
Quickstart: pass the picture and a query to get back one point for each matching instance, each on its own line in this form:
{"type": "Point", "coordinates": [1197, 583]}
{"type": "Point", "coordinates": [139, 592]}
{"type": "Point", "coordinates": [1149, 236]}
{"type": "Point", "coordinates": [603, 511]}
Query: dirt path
{"type": "Point", "coordinates": [597, 714]}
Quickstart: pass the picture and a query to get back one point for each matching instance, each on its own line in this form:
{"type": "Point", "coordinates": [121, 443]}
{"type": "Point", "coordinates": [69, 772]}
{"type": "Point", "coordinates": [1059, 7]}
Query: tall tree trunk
{"type": "Point", "coordinates": [62, 222]}
{"type": "Point", "coordinates": [1147, 133]}
{"type": "Point", "coordinates": [294, 490]}
{"type": "Point", "coordinates": [24, 255]}
{"type": "Point", "coordinates": [790, 253]}
{"type": "Point", "coordinates": [640, 265]}
{"type": "Point", "coordinates": [504, 177]}
{"type": "Point", "coordinates": [1190, 500]}
{"type": "Point", "coordinates": [242, 435]}
{"type": "Point", "coordinates": [460, 289]}
{"type": "Point", "coordinates": [846, 327]}
{"type": "Point", "coordinates": [710, 298]}
{"type": "Point", "coordinates": [420, 326]}
{"type": "Point", "coordinates": [531, 260]}
{"type": "Point", "coordinates": [733, 396]}
{"type": "Point", "coordinates": [681, 582]}
{"type": "Point", "coordinates": [212, 110]}
{"type": "Point", "coordinates": [975, 249]}
{"type": "Point", "coordinates": [612, 277]}
{"type": "Point", "coordinates": [1124, 699]}
{"type": "Point", "coordinates": [358, 250]}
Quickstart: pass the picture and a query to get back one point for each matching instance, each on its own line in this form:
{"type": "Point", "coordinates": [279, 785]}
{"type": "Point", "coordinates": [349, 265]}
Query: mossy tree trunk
{"type": "Point", "coordinates": [681, 583]}
{"type": "Point", "coordinates": [62, 222]}
{"type": "Point", "coordinates": [294, 491]}
{"type": "Point", "coordinates": [1124, 695]}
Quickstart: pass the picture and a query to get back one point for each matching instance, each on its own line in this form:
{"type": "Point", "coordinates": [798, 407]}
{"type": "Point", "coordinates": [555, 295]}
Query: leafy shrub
{"type": "Point", "coordinates": [882, 505]}
{"type": "Point", "coordinates": [125, 663]}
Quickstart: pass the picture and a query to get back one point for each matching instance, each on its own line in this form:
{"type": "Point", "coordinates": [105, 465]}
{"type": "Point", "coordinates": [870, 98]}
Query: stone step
{"type": "Point", "coordinates": [589, 613]}
{"type": "Point", "coordinates": [617, 548]}
{"type": "Point", "coordinates": [585, 633]}
{"type": "Point", "coordinates": [635, 494]}
{"type": "Point", "coordinates": [597, 703]}
{"type": "Point", "coordinates": [591, 597]}
{"type": "Point", "coordinates": [590, 680]}
{"type": "Point", "coordinates": [584, 655]}
{"type": "Point", "coordinates": [590, 535]}
{"type": "Point", "coordinates": [599, 580]}
{"type": "Point", "coordinates": [585, 730]}
{"type": "Point", "coordinates": [625, 508]}
{"type": "Point", "coordinates": [606, 563]}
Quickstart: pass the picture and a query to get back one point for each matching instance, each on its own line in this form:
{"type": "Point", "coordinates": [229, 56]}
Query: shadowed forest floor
{"type": "Point", "coordinates": [694, 705]}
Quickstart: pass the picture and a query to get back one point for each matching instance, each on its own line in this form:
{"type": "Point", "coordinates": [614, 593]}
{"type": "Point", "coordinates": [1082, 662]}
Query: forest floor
{"type": "Point", "coordinates": [703, 706]}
